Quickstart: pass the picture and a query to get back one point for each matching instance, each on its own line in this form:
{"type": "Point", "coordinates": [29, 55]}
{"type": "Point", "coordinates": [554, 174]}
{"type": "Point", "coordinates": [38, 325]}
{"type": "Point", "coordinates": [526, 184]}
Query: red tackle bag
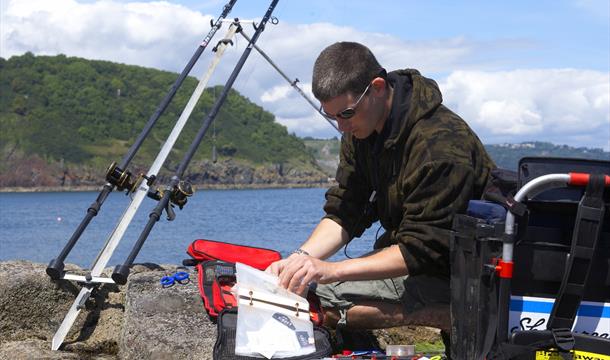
{"type": "Point", "coordinates": [215, 264]}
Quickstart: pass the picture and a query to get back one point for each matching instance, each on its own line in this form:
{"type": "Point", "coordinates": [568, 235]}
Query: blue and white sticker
{"type": "Point", "coordinates": [532, 313]}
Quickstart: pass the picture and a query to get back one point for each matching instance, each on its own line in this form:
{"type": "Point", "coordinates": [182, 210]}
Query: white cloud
{"type": "Point", "coordinates": [563, 106]}
{"type": "Point", "coordinates": [276, 93]}
{"type": "Point", "coordinates": [558, 105]}
{"type": "Point", "coordinates": [149, 34]}
{"type": "Point", "coordinates": [308, 125]}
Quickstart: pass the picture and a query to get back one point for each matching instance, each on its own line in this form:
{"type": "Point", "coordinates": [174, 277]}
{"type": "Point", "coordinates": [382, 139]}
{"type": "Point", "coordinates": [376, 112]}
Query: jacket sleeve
{"type": "Point", "coordinates": [346, 202]}
{"type": "Point", "coordinates": [433, 195]}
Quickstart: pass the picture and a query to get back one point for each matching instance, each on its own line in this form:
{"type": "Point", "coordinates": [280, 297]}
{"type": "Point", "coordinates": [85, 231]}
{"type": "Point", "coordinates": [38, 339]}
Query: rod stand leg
{"type": "Point", "coordinates": [120, 274]}
{"type": "Point", "coordinates": [55, 269]}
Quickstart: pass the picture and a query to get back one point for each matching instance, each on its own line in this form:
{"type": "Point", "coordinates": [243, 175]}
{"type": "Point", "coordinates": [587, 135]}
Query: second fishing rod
{"type": "Point", "coordinates": [178, 190]}
{"type": "Point", "coordinates": [117, 176]}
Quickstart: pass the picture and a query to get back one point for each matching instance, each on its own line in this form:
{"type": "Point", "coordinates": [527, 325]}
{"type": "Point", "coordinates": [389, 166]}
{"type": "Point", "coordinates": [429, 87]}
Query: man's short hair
{"type": "Point", "coordinates": [341, 68]}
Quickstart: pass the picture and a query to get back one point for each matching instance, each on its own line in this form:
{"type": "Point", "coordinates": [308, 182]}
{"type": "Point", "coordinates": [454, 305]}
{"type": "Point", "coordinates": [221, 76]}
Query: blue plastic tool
{"type": "Point", "coordinates": [181, 277]}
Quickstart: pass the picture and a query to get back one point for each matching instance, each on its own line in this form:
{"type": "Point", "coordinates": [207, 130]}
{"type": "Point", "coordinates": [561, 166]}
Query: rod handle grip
{"type": "Point", "coordinates": [582, 179]}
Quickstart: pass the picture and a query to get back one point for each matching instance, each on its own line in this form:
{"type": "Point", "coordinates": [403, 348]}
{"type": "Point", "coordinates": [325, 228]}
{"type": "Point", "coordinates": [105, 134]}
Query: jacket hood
{"type": "Point", "coordinates": [408, 109]}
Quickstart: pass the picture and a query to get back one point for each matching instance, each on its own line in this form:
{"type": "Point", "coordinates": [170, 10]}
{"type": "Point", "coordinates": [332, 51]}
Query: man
{"type": "Point", "coordinates": [407, 161]}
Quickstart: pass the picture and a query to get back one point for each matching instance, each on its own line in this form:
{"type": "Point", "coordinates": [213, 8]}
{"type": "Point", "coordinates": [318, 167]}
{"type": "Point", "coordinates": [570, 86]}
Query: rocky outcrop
{"type": "Point", "coordinates": [20, 170]}
{"type": "Point", "coordinates": [141, 320]}
{"type": "Point", "coordinates": [30, 171]}
{"type": "Point", "coordinates": [230, 172]}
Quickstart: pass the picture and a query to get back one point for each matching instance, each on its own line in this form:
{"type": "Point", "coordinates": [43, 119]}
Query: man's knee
{"type": "Point", "coordinates": [331, 318]}
{"type": "Point", "coordinates": [375, 315]}
{"type": "Point", "coordinates": [335, 317]}
{"type": "Point", "coordinates": [433, 315]}
{"type": "Point", "coordinates": [369, 315]}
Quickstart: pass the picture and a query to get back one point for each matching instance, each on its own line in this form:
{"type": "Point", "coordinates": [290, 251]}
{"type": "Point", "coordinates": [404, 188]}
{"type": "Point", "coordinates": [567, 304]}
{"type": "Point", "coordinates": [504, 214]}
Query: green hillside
{"type": "Point", "coordinates": [507, 155]}
{"type": "Point", "coordinates": [89, 112]}
{"type": "Point", "coordinates": [326, 153]}
{"type": "Point", "coordinates": [77, 114]}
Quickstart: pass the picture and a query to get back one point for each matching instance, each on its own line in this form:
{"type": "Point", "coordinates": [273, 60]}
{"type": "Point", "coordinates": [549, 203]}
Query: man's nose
{"type": "Point", "coordinates": [344, 125]}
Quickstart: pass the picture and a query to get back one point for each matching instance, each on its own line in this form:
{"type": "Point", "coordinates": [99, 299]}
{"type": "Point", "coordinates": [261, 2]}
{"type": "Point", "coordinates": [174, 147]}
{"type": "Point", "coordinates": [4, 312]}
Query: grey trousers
{"type": "Point", "coordinates": [413, 292]}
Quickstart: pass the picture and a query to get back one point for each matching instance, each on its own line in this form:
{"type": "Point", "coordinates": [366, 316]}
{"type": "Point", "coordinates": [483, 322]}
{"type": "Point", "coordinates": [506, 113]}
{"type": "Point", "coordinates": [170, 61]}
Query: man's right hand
{"type": "Point", "coordinates": [297, 271]}
{"type": "Point", "coordinates": [276, 267]}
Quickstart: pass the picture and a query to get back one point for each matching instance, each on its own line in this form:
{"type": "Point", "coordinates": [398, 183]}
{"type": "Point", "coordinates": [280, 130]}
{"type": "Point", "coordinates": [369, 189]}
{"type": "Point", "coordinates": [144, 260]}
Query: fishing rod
{"type": "Point", "coordinates": [292, 83]}
{"type": "Point", "coordinates": [105, 254]}
{"type": "Point", "coordinates": [116, 175]}
{"type": "Point", "coordinates": [177, 192]}
{"type": "Point", "coordinates": [94, 277]}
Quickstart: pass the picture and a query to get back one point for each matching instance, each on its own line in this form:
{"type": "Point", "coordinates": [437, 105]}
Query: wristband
{"type": "Point", "coordinates": [300, 251]}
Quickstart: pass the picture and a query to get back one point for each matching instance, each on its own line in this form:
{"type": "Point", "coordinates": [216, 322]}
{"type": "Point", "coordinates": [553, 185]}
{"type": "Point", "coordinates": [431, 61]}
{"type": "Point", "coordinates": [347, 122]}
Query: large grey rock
{"type": "Point", "coordinates": [164, 323]}
{"type": "Point", "coordinates": [139, 320]}
{"type": "Point", "coordinates": [40, 349]}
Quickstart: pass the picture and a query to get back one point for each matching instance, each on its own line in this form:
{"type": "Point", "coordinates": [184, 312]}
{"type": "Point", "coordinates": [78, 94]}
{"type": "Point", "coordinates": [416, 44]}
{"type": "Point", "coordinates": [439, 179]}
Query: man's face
{"type": "Point", "coordinates": [360, 124]}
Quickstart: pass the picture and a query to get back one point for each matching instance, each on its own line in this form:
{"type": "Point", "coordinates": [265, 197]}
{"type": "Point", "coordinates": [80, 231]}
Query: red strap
{"type": "Point", "coordinates": [217, 299]}
{"type": "Point", "coordinates": [316, 313]}
{"type": "Point", "coordinates": [581, 179]}
{"type": "Point", "coordinates": [216, 296]}
{"type": "Point", "coordinates": [227, 296]}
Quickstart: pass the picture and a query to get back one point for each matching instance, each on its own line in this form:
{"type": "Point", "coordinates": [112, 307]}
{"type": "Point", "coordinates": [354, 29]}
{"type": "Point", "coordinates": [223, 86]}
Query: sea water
{"type": "Point", "coordinates": [36, 226]}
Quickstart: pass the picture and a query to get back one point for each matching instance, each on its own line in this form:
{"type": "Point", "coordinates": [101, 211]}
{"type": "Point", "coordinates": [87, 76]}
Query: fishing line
{"type": "Point", "coordinates": [376, 237]}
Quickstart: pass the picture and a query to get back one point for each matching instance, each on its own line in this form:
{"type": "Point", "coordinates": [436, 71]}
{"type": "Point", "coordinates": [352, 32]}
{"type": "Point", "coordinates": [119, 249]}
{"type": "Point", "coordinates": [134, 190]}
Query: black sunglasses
{"type": "Point", "coordinates": [349, 112]}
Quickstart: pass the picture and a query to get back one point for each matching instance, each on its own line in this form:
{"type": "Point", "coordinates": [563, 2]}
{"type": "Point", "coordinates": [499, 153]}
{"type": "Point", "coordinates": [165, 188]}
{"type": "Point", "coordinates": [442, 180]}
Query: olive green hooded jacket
{"type": "Point", "coordinates": [424, 167]}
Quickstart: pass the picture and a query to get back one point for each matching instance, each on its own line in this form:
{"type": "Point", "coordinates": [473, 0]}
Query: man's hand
{"type": "Point", "coordinates": [276, 267]}
{"type": "Point", "coordinates": [297, 271]}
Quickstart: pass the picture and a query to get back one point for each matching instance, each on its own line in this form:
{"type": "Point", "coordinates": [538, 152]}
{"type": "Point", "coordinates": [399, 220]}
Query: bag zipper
{"type": "Point", "coordinates": [199, 252]}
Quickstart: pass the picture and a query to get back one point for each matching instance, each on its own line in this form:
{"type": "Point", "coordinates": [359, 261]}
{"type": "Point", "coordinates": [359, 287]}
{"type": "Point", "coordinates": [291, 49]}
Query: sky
{"type": "Point", "coordinates": [514, 70]}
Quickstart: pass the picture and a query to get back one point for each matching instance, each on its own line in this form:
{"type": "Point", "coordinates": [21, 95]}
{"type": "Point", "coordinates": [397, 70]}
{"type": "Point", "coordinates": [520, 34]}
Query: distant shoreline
{"type": "Point", "coordinates": [34, 189]}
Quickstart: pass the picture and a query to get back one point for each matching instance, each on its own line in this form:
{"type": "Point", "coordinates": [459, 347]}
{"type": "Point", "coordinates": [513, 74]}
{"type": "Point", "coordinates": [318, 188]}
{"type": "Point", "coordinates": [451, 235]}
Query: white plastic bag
{"type": "Point", "coordinates": [271, 321]}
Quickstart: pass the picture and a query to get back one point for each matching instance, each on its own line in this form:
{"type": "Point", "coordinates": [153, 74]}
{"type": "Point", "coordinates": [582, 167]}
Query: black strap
{"type": "Point", "coordinates": [560, 339]}
{"type": "Point", "coordinates": [587, 229]}
{"type": "Point", "coordinates": [507, 351]}
{"type": "Point", "coordinates": [208, 283]}
{"type": "Point", "coordinates": [490, 334]}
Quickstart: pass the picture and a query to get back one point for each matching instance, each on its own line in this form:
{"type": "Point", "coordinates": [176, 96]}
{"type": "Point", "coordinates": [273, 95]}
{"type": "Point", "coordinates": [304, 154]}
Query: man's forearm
{"type": "Point", "coordinates": [326, 239]}
{"type": "Point", "coordinates": [382, 264]}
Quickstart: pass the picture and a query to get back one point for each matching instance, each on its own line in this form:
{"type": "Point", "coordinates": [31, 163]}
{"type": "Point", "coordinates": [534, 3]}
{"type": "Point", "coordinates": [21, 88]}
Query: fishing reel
{"type": "Point", "coordinates": [120, 178]}
{"type": "Point", "coordinates": [179, 194]}
{"type": "Point", "coordinates": [123, 180]}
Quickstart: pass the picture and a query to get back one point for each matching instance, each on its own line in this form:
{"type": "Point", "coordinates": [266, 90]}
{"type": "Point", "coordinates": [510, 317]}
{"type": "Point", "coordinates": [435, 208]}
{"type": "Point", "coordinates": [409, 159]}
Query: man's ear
{"type": "Point", "coordinates": [379, 85]}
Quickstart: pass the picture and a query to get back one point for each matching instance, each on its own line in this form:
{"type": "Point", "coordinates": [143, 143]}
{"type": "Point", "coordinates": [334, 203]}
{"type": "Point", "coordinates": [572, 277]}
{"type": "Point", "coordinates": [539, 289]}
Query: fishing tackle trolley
{"type": "Point", "coordinates": [530, 275]}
